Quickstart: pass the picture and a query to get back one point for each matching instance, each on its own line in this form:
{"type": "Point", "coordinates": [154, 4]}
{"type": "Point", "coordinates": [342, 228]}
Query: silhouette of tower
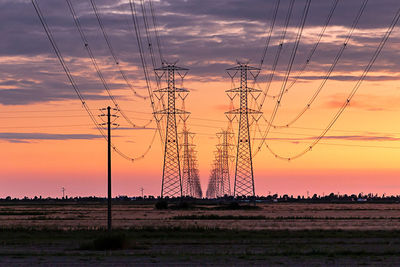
{"type": "Point", "coordinates": [187, 166]}
{"type": "Point", "coordinates": [194, 170]}
{"type": "Point", "coordinates": [219, 183]}
{"type": "Point", "coordinates": [244, 179]}
{"type": "Point", "coordinates": [171, 180]}
{"type": "Point", "coordinates": [224, 155]}
{"type": "Point", "coordinates": [197, 186]}
{"type": "Point", "coordinates": [211, 188]}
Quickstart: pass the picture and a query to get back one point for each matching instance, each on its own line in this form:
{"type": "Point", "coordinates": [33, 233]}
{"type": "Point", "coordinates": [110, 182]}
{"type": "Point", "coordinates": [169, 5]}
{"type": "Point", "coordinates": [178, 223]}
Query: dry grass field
{"type": "Point", "coordinates": [266, 217]}
{"type": "Point", "coordinates": [272, 234]}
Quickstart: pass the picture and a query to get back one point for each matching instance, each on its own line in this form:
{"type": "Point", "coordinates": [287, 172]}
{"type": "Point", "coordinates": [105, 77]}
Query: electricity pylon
{"type": "Point", "coordinates": [198, 193]}
{"type": "Point", "coordinates": [211, 188]}
{"type": "Point", "coordinates": [224, 155]}
{"type": "Point", "coordinates": [190, 177]}
{"type": "Point", "coordinates": [219, 183]}
{"type": "Point", "coordinates": [195, 179]}
{"type": "Point", "coordinates": [186, 170]}
{"type": "Point", "coordinates": [244, 178]}
{"type": "Point", "coordinates": [171, 180]}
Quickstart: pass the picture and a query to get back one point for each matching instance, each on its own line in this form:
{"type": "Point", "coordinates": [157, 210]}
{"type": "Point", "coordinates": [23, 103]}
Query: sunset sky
{"type": "Point", "coordinates": [48, 141]}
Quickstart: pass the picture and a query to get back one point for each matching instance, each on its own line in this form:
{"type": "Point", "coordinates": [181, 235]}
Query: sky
{"type": "Point", "coordinates": [49, 141]}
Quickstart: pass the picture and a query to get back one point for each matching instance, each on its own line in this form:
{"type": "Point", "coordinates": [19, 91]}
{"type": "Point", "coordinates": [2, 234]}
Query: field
{"type": "Point", "coordinates": [271, 234]}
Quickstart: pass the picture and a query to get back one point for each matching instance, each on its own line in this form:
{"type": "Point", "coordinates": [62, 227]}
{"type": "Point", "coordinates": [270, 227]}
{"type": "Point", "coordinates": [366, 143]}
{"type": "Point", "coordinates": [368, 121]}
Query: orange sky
{"type": "Point", "coordinates": [348, 166]}
{"type": "Point", "coordinates": [360, 154]}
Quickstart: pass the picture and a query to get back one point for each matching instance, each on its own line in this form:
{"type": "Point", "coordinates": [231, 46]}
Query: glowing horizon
{"type": "Point", "coordinates": [49, 142]}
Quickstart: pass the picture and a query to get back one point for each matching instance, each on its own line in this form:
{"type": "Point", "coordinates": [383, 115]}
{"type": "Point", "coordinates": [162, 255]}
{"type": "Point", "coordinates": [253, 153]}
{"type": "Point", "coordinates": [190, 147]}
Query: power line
{"type": "Point", "coordinates": [65, 116]}
{"type": "Point", "coordinates": [278, 102]}
{"type": "Point", "coordinates": [111, 49]}
{"type": "Point", "coordinates": [289, 67]}
{"type": "Point", "coordinates": [95, 64]}
{"type": "Point", "coordinates": [351, 94]}
{"type": "Point", "coordinates": [156, 31]}
{"type": "Point", "coordinates": [144, 66]}
{"type": "Point", "coordinates": [313, 49]}
{"type": "Point", "coordinates": [271, 29]}
{"type": "Point", "coordinates": [75, 86]}
{"type": "Point", "coordinates": [278, 53]}
{"type": "Point", "coordinates": [371, 131]}
{"type": "Point", "coordinates": [327, 75]}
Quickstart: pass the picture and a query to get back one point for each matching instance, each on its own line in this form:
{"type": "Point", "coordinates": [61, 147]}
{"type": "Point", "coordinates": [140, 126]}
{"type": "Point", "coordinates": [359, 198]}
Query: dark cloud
{"type": "Point", "coordinates": [207, 36]}
{"type": "Point", "coordinates": [338, 137]}
{"type": "Point", "coordinates": [27, 137]}
{"type": "Point", "coordinates": [353, 78]}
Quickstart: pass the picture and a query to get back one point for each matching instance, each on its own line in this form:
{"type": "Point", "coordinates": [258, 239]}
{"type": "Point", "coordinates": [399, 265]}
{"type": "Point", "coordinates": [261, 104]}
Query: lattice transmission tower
{"type": "Point", "coordinates": [171, 179]}
{"type": "Point", "coordinates": [190, 172]}
{"type": "Point", "coordinates": [197, 192]}
{"type": "Point", "coordinates": [219, 183]}
{"type": "Point", "coordinates": [223, 157]}
{"type": "Point", "coordinates": [212, 183]}
{"type": "Point", "coordinates": [244, 178]}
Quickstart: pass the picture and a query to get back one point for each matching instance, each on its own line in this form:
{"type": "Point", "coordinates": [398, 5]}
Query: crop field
{"type": "Point", "coordinates": [269, 234]}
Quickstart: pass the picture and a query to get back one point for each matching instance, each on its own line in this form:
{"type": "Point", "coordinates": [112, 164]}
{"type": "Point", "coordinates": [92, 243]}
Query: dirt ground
{"type": "Point", "coordinates": [273, 234]}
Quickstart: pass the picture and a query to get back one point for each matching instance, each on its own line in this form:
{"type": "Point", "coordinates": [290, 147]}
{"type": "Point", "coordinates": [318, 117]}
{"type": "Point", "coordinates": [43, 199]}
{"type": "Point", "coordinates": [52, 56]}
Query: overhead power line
{"type": "Point", "coordinates": [271, 29]}
{"type": "Point", "coordinates": [327, 75]}
{"type": "Point", "coordinates": [144, 67]}
{"type": "Point", "coordinates": [96, 66]}
{"type": "Point", "coordinates": [289, 67]}
{"type": "Point", "coordinates": [111, 49]}
{"type": "Point", "coordinates": [75, 86]}
{"type": "Point", "coordinates": [312, 50]}
{"type": "Point", "coordinates": [277, 54]}
{"type": "Point", "coordinates": [156, 31]}
{"type": "Point", "coordinates": [351, 94]}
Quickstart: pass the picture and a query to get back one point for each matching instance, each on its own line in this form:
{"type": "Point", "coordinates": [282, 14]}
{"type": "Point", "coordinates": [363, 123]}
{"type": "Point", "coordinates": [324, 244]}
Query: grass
{"type": "Point", "coordinates": [204, 244]}
{"type": "Point", "coordinates": [22, 213]}
{"type": "Point", "coordinates": [236, 206]}
{"type": "Point", "coordinates": [260, 217]}
{"type": "Point", "coordinates": [186, 237]}
{"type": "Point", "coordinates": [110, 241]}
{"type": "Point", "coordinates": [217, 217]}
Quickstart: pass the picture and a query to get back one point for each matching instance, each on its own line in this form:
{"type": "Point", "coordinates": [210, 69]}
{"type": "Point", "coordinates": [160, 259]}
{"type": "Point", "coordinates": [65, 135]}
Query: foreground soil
{"type": "Point", "coordinates": [273, 234]}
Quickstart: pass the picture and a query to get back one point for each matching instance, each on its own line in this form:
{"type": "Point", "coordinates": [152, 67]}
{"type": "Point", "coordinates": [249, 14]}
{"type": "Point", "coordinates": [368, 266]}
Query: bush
{"type": "Point", "coordinates": [182, 205]}
{"type": "Point", "coordinates": [107, 241]}
{"type": "Point", "coordinates": [162, 204]}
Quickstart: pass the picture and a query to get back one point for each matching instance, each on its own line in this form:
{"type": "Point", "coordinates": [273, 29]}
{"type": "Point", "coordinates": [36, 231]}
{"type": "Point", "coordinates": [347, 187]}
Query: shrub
{"type": "Point", "coordinates": [162, 204]}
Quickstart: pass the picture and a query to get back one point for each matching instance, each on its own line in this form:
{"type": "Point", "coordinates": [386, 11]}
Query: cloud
{"type": "Point", "coordinates": [27, 137]}
{"type": "Point", "coordinates": [363, 102]}
{"type": "Point", "coordinates": [137, 128]}
{"type": "Point", "coordinates": [207, 36]}
{"type": "Point", "coordinates": [337, 137]}
{"type": "Point", "coordinates": [353, 78]}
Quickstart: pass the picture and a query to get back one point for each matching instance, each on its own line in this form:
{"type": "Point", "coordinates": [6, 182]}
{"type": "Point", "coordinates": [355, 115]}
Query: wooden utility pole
{"type": "Point", "coordinates": [109, 168]}
{"type": "Point", "coordinates": [109, 123]}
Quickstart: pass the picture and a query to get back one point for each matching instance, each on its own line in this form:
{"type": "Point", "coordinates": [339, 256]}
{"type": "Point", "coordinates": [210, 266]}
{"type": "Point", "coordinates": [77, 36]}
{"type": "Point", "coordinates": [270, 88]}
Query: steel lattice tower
{"type": "Point", "coordinates": [225, 188]}
{"type": "Point", "coordinates": [244, 179]}
{"type": "Point", "coordinates": [219, 183]}
{"type": "Point", "coordinates": [190, 179]}
{"type": "Point", "coordinates": [171, 180]}
{"type": "Point", "coordinates": [186, 169]}
{"type": "Point", "coordinates": [196, 187]}
{"type": "Point", "coordinates": [211, 189]}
